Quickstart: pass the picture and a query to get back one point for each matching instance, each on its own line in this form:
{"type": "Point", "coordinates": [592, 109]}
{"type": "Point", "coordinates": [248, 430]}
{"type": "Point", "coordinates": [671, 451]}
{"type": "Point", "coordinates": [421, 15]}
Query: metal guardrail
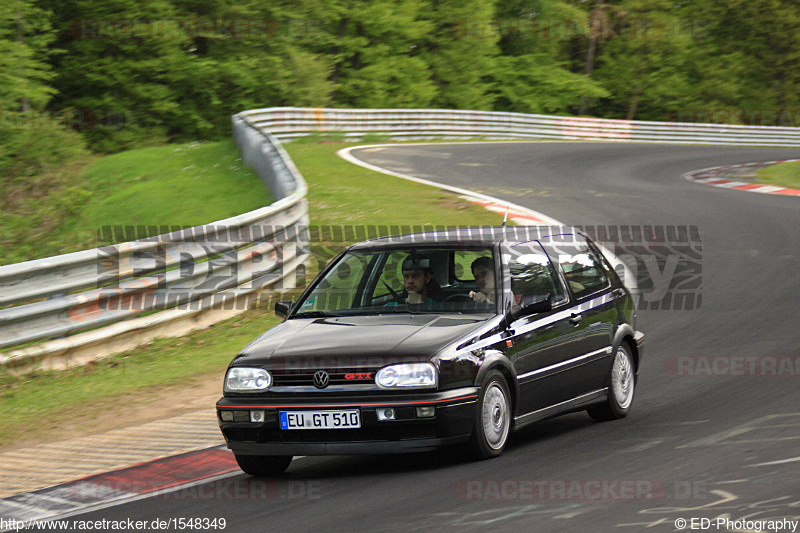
{"type": "Point", "coordinates": [187, 271]}
{"type": "Point", "coordinates": [289, 122]}
{"type": "Point", "coordinates": [194, 270]}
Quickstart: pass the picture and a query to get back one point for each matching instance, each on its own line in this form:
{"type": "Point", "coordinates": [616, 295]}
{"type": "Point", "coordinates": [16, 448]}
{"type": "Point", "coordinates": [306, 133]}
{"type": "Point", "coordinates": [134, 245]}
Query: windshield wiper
{"type": "Point", "coordinates": [395, 310]}
{"type": "Point", "coordinates": [315, 314]}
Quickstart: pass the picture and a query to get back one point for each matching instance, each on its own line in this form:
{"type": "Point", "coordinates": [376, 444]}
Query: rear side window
{"type": "Point", "coordinates": [582, 268]}
{"type": "Point", "coordinates": [533, 275]}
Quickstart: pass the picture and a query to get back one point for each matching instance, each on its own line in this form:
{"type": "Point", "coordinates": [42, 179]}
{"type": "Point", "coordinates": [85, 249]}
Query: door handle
{"type": "Point", "coordinates": [575, 319]}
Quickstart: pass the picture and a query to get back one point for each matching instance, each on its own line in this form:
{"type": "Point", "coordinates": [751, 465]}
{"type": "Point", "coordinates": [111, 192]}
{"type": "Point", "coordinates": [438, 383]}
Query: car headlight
{"type": "Point", "coordinates": [408, 375]}
{"type": "Point", "coordinates": [244, 379]}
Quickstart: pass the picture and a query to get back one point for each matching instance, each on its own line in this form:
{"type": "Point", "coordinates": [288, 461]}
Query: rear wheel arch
{"type": "Point", "coordinates": [621, 383]}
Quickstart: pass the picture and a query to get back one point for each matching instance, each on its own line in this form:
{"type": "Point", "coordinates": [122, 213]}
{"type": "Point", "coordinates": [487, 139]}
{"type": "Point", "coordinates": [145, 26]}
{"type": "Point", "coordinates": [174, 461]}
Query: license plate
{"type": "Point", "coordinates": [320, 419]}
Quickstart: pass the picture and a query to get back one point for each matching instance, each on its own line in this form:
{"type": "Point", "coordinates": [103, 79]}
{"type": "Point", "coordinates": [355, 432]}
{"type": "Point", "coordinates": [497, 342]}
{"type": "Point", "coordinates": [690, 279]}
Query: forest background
{"type": "Point", "coordinates": [82, 76]}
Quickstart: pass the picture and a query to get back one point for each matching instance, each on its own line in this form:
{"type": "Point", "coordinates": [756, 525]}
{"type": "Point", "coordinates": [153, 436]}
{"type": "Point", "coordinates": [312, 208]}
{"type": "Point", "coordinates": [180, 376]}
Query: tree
{"type": "Point", "coordinates": [533, 74]}
{"type": "Point", "coordinates": [644, 60]}
{"type": "Point", "coordinates": [599, 18]}
{"type": "Point", "coordinates": [373, 49]}
{"type": "Point", "coordinates": [24, 71]}
{"type": "Point", "coordinates": [379, 62]}
{"type": "Point", "coordinates": [243, 56]}
{"type": "Point", "coordinates": [117, 70]}
{"type": "Point", "coordinates": [460, 49]}
{"type": "Point", "coordinates": [748, 58]}
{"type": "Point", "coordinates": [31, 139]}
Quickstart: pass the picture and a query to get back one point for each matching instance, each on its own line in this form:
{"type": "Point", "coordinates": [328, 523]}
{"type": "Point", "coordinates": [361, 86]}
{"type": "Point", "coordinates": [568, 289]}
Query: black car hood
{"type": "Point", "coordinates": [388, 337]}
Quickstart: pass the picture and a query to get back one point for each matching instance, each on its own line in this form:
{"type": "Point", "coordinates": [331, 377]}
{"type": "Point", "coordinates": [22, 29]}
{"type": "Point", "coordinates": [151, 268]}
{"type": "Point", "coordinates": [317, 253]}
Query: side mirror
{"type": "Point", "coordinates": [531, 304]}
{"type": "Point", "coordinates": [283, 307]}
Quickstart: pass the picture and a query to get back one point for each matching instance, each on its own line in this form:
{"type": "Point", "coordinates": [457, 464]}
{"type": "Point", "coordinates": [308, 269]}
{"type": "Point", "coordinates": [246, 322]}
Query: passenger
{"type": "Point", "coordinates": [483, 272]}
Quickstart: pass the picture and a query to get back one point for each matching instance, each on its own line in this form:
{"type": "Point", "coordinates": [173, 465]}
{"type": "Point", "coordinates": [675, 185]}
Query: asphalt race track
{"type": "Point", "coordinates": [715, 426]}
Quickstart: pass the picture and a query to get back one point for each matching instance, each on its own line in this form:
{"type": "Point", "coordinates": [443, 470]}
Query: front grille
{"type": "Point", "coordinates": [305, 377]}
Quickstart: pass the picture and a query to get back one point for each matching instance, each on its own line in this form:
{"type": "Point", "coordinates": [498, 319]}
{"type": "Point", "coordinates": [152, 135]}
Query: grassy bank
{"type": "Point", "coordinates": [339, 194]}
{"type": "Point", "coordinates": [783, 174]}
{"type": "Point", "coordinates": [174, 185]}
{"type": "Point", "coordinates": [35, 404]}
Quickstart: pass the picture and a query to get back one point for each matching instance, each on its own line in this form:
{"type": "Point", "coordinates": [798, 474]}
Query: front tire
{"type": "Point", "coordinates": [492, 422]}
{"type": "Point", "coordinates": [621, 386]}
{"type": "Point", "coordinates": [263, 465]}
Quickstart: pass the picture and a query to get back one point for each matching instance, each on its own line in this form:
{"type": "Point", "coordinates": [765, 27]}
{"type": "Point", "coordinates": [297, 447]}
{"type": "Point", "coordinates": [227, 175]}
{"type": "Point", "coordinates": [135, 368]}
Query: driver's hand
{"type": "Point", "coordinates": [478, 297]}
{"type": "Point", "coordinates": [414, 298]}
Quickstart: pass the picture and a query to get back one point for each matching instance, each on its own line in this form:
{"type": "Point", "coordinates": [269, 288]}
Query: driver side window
{"type": "Point", "coordinates": [338, 289]}
{"type": "Point", "coordinates": [391, 278]}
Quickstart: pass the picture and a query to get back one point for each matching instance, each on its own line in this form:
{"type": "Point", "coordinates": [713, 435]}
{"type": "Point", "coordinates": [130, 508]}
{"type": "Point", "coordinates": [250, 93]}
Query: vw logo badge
{"type": "Point", "coordinates": [321, 379]}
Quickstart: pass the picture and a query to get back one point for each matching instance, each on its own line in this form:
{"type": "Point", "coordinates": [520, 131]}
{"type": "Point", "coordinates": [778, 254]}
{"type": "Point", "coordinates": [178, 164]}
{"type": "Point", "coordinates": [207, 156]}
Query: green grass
{"type": "Point", "coordinates": [34, 402]}
{"type": "Point", "coordinates": [783, 174]}
{"type": "Point", "coordinates": [339, 193]}
{"type": "Point", "coordinates": [173, 185]}
{"type": "Point", "coordinates": [184, 185]}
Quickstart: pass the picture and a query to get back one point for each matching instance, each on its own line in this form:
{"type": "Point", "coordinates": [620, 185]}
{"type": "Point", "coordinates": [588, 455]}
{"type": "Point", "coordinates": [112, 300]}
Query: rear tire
{"type": "Point", "coordinates": [621, 386]}
{"type": "Point", "coordinates": [492, 423]}
{"type": "Point", "coordinates": [263, 465]}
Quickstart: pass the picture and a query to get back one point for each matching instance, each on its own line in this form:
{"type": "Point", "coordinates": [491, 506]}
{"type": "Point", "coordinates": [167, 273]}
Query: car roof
{"type": "Point", "coordinates": [477, 236]}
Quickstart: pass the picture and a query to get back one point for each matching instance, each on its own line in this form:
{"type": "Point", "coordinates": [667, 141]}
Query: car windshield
{"type": "Point", "coordinates": [405, 280]}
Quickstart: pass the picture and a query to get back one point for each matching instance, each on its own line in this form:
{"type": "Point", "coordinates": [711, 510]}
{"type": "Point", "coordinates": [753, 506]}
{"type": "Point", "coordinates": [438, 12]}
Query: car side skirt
{"type": "Point", "coordinates": [575, 404]}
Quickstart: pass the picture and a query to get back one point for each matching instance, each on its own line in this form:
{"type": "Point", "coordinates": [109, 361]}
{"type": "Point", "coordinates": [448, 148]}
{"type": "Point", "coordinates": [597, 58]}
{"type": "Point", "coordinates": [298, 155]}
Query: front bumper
{"type": "Point", "coordinates": [638, 338]}
{"type": "Point", "coordinates": [451, 423]}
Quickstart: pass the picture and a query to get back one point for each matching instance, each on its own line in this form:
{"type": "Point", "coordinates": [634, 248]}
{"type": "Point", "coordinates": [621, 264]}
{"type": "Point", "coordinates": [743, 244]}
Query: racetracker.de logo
{"type": "Point", "coordinates": [219, 490]}
{"type": "Point", "coordinates": [559, 489]}
{"type": "Point", "coordinates": [732, 366]}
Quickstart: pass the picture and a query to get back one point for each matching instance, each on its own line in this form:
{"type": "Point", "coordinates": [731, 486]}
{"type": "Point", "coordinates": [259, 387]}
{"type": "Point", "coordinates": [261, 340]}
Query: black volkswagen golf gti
{"type": "Point", "coordinates": [419, 341]}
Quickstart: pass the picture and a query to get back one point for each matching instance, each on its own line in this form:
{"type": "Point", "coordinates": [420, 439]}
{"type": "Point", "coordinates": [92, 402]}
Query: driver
{"type": "Point", "coordinates": [418, 282]}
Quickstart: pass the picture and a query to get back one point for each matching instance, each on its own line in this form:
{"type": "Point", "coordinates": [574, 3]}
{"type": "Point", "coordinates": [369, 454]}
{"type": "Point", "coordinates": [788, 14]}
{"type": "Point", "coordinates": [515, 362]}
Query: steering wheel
{"type": "Point", "coordinates": [396, 296]}
{"type": "Point", "coordinates": [458, 297]}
